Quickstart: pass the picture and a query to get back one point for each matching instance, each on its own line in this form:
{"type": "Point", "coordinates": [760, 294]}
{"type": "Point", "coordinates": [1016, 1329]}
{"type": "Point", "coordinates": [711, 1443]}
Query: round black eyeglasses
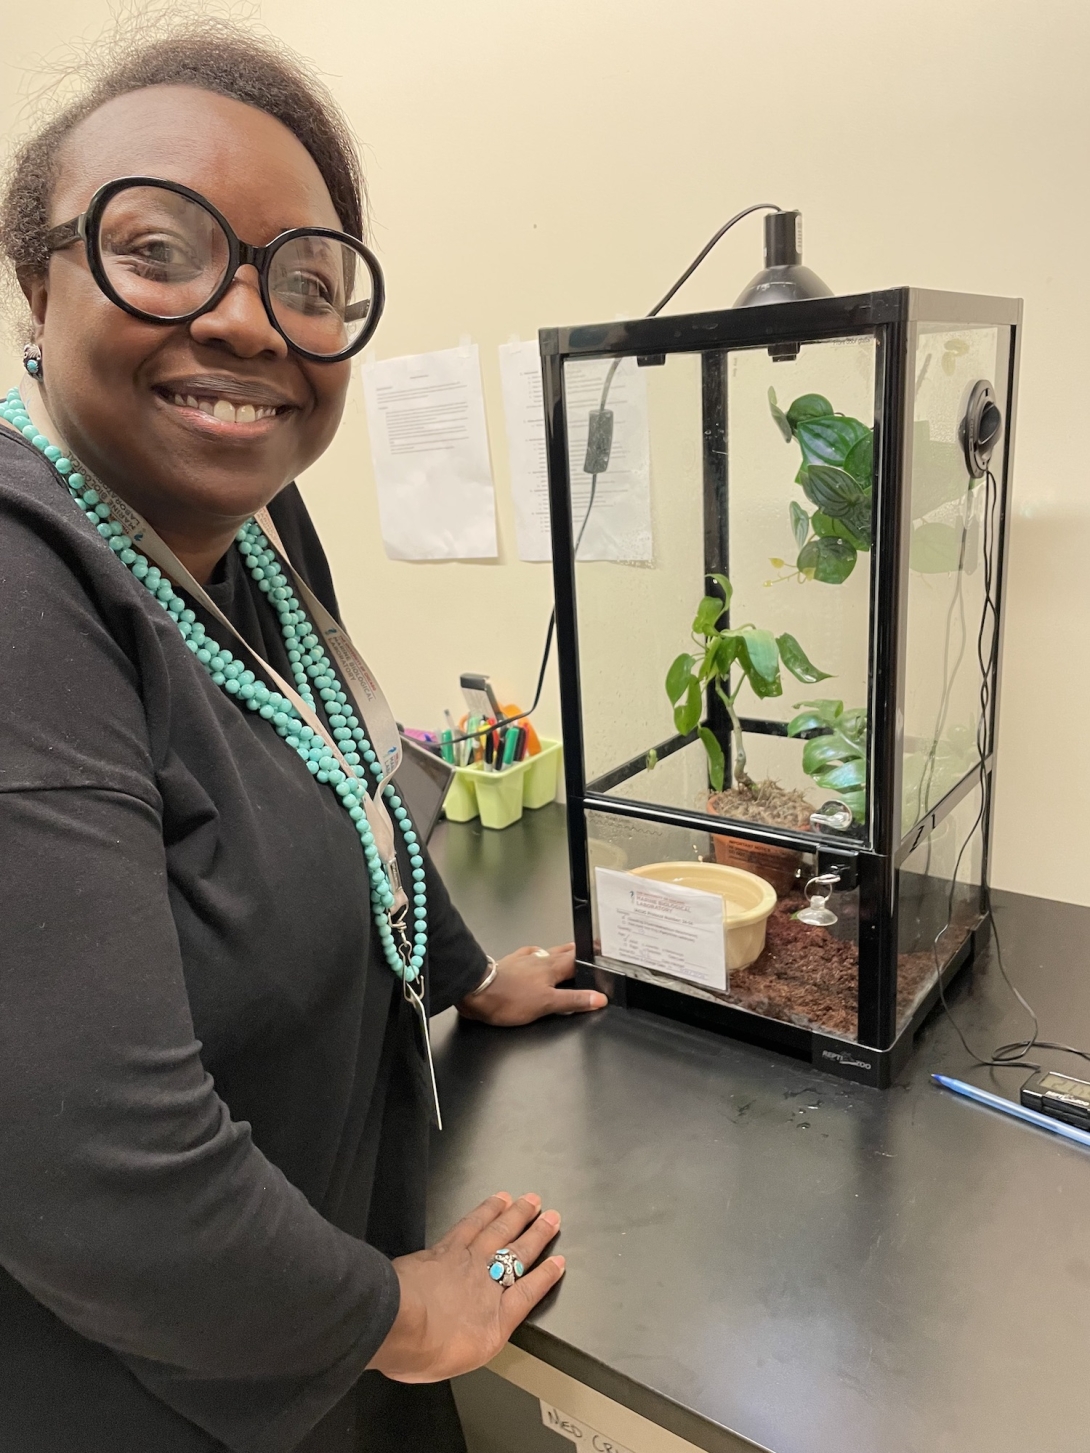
{"type": "Point", "coordinates": [163, 253]}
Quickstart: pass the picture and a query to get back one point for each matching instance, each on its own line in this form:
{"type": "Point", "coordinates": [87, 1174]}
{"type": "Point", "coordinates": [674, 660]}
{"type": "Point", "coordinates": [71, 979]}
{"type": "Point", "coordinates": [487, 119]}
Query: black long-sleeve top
{"type": "Point", "coordinates": [213, 1116]}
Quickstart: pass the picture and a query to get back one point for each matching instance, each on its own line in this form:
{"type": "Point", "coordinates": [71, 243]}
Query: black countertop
{"type": "Point", "coordinates": [755, 1248]}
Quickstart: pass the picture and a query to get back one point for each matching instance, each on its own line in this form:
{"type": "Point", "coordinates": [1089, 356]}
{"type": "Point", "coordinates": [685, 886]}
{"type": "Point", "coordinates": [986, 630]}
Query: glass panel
{"type": "Point", "coordinates": [805, 975]}
{"type": "Point", "coordinates": [640, 568]}
{"type": "Point", "coordinates": [930, 899]}
{"type": "Point", "coordinates": [801, 569]}
{"type": "Point", "coordinates": [801, 587]}
{"type": "Point", "coordinates": [946, 572]}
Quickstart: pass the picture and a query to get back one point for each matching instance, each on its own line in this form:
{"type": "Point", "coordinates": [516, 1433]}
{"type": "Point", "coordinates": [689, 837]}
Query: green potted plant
{"type": "Point", "coordinates": [742, 655]}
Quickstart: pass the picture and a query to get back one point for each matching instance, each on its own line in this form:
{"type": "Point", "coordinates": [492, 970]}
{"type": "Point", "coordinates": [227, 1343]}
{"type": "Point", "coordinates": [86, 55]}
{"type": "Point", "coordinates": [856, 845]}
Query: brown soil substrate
{"type": "Point", "coordinates": [805, 976]}
{"type": "Point", "coordinates": [767, 803]}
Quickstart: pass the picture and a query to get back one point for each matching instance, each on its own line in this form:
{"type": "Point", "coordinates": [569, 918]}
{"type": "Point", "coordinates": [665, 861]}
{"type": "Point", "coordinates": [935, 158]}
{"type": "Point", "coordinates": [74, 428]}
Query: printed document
{"type": "Point", "coordinates": [618, 526]}
{"type": "Point", "coordinates": [429, 442]}
{"type": "Point", "coordinates": [520, 372]}
{"type": "Point", "coordinates": [678, 931]}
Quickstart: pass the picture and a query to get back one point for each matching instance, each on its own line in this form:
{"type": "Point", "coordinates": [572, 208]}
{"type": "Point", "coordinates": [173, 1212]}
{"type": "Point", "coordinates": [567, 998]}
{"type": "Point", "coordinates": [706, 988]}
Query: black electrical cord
{"type": "Point", "coordinates": [607, 385]}
{"type": "Point", "coordinates": [1012, 1055]}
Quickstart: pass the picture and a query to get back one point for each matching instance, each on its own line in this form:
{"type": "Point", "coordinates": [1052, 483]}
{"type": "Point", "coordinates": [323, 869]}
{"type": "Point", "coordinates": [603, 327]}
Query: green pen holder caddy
{"type": "Point", "coordinates": [498, 798]}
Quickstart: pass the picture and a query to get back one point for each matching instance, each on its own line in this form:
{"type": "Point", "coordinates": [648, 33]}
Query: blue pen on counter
{"type": "Point", "coordinates": [1017, 1111]}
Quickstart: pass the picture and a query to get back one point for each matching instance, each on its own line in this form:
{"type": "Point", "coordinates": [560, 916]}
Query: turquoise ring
{"type": "Point", "coordinates": [505, 1268]}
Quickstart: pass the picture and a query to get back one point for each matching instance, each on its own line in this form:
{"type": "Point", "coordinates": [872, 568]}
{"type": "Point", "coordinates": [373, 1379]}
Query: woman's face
{"type": "Point", "coordinates": [113, 383]}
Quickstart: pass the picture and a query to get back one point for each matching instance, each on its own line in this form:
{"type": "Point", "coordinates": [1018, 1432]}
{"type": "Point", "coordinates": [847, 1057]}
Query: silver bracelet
{"type": "Point", "coordinates": [486, 981]}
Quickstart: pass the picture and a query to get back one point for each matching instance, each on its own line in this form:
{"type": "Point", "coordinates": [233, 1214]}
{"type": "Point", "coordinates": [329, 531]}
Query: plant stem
{"type": "Point", "coordinates": [741, 776]}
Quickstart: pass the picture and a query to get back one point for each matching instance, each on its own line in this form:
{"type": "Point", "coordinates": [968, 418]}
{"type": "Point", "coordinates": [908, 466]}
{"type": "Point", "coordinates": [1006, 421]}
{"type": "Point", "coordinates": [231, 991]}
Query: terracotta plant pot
{"type": "Point", "coordinates": [778, 866]}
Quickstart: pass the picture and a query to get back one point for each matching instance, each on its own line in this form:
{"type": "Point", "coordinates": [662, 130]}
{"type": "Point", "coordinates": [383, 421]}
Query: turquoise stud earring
{"type": "Point", "coordinates": [32, 360]}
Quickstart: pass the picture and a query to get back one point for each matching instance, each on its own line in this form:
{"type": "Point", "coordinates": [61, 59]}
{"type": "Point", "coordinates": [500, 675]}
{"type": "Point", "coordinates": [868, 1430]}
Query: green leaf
{"type": "Point", "coordinates": [707, 613]}
{"type": "Point", "coordinates": [859, 460]}
{"type": "Point", "coordinates": [689, 712]}
{"type": "Point", "coordinates": [795, 659]}
{"type": "Point", "coordinates": [830, 561]}
{"type": "Point", "coordinates": [717, 763]}
{"type": "Point", "coordinates": [808, 406]}
{"type": "Point", "coordinates": [839, 779]}
{"type": "Point", "coordinates": [779, 415]}
{"type": "Point", "coordinates": [800, 523]}
{"type": "Point", "coordinates": [854, 725]}
{"type": "Point", "coordinates": [829, 439]}
{"type": "Point", "coordinates": [725, 586]}
{"type": "Point", "coordinates": [841, 529]}
{"type": "Point", "coordinates": [763, 654]}
{"type": "Point", "coordinates": [806, 721]}
{"type": "Point", "coordinates": [761, 685]}
{"type": "Point", "coordinates": [821, 752]}
{"type": "Point", "coordinates": [832, 489]}
{"type": "Point", "coordinates": [679, 676]}
{"type": "Point", "coordinates": [857, 801]}
{"type": "Point", "coordinates": [935, 549]}
{"type": "Point", "coordinates": [858, 522]}
{"type": "Point", "coordinates": [726, 653]}
{"type": "Point", "coordinates": [828, 709]}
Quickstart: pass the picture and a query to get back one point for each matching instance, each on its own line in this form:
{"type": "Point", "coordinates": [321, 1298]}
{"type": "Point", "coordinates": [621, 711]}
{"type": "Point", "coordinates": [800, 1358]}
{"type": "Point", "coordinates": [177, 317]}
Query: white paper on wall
{"type": "Point", "coordinates": [619, 523]}
{"type": "Point", "coordinates": [524, 411]}
{"type": "Point", "coordinates": [429, 443]}
{"type": "Point", "coordinates": [662, 926]}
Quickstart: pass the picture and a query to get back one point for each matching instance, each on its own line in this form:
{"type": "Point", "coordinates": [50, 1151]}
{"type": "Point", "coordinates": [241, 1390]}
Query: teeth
{"type": "Point", "coordinates": [224, 410]}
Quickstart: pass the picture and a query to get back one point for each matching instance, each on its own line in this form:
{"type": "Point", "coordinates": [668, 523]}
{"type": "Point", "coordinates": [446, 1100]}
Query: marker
{"type": "Point", "coordinates": [1017, 1111]}
{"type": "Point", "coordinates": [446, 748]}
{"type": "Point", "coordinates": [510, 745]}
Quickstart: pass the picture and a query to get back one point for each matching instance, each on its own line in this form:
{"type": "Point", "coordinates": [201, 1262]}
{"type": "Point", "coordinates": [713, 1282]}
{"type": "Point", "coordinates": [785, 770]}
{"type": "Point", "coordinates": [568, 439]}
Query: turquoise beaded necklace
{"type": "Point", "coordinates": [312, 670]}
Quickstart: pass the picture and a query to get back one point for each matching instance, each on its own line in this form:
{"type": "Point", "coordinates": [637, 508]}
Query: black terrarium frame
{"type": "Point", "coordinates": [867, 860]}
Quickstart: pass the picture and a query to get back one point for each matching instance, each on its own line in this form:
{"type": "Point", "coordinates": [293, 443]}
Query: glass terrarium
{"type": "Point", "coordinates": [779, 539]}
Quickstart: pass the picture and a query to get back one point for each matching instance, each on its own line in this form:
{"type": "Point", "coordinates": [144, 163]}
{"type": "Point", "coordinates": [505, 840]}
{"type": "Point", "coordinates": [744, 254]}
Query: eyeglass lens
{"type": "Point", "coordinates": [165, 255]}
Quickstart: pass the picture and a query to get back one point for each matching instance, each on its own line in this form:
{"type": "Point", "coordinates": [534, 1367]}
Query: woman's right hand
{"type": "Point", "coordinates": [453, 1317]}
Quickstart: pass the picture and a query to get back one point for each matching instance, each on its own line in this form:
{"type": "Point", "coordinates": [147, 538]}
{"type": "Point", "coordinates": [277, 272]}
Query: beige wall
{"type": "Point", "coordinates": [538, 163]}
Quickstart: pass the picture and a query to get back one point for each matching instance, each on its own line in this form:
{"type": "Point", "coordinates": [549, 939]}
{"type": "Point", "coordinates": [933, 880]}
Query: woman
{"type": "Point", "coordinates": [215, 1085]}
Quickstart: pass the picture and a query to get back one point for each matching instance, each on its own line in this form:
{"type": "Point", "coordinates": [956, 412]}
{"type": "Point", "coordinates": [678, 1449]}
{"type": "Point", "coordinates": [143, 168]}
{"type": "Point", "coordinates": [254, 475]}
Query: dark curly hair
{"type": "Point", "coordinates": [213, 54]}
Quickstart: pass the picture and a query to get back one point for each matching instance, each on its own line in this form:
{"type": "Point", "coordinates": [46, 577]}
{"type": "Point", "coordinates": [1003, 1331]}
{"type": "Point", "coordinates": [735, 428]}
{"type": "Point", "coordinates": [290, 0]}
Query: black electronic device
{"type": "Point", "coordinates": [423, 780]}
{"type": "Point", "coordinates": [1061, 1096]}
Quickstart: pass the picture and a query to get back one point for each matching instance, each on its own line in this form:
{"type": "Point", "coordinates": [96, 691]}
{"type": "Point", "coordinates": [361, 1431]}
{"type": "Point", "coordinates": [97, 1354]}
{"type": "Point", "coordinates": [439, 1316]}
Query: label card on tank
{"type": "Point", "coordinates": [661, 926]}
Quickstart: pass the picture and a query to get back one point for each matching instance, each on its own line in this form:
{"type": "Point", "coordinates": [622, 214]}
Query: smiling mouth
{"type": "Point", "coordinates": [223, 409]}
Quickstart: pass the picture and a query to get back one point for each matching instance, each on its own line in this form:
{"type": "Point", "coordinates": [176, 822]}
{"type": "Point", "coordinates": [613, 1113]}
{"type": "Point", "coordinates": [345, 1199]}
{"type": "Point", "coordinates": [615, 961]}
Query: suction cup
{"type": "Point", "coordinates": [816, 914]}
{"type": "Point", "coordinates": [980, 428]}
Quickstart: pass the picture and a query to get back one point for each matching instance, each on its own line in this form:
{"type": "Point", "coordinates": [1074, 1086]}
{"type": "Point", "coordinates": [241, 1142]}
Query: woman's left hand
{"type": "Point", "coordinates": [524, 989]}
